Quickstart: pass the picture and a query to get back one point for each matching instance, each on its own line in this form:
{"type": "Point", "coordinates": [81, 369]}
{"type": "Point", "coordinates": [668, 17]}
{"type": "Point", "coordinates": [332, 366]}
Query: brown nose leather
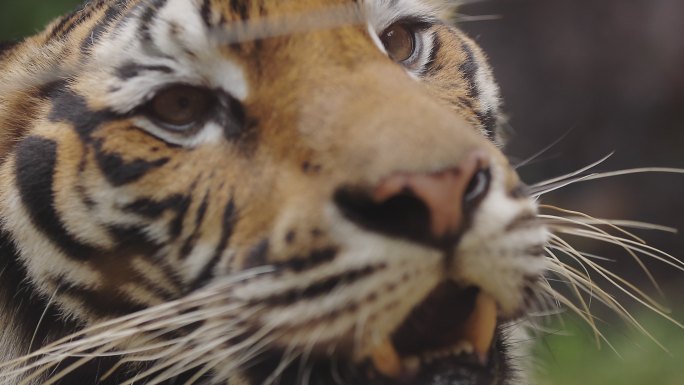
{"type": "Point", "coordinates": [446, 194]}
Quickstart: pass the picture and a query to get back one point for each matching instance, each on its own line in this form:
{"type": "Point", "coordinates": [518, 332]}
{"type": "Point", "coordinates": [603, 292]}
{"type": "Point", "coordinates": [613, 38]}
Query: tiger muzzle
{"type": "Point", "coordinates": [428, 208]}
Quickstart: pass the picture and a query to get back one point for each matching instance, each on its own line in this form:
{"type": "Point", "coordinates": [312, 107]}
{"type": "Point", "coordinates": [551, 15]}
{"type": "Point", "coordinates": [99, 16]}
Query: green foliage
{"type": "Point", "coordinates": [19, 18]}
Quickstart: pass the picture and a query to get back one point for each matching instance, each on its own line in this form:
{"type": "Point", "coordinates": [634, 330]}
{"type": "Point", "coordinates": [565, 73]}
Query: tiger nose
{"type": "Point", "coordinates": [424, 207]}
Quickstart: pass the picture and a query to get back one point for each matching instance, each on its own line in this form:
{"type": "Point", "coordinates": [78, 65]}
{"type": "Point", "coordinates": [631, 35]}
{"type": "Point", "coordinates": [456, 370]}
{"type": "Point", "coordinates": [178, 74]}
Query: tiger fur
{"type": "Point", "coordinates": [107, 210]}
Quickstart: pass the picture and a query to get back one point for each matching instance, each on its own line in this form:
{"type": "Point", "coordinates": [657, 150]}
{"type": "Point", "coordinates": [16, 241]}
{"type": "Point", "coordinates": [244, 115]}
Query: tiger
{"type": "Point", "coordinates": [262, 192]}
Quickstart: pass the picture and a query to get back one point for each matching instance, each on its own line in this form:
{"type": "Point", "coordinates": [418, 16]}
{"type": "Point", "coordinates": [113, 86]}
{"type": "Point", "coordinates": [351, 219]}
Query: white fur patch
{"type": "Point", "coordinates": [383, 13]}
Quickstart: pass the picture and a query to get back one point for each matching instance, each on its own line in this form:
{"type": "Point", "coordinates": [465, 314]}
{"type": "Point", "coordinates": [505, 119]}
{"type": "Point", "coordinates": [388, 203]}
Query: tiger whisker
{"type": "Point", "coordinates": [619, 308]}
{"type": "Point", "coordinates": [555, 220]}
{"type": "Point", "coordinates": [583, 218]}
{"type": "Point", "coordinates": [633, 171]}
{"type": "Point", "coordinates": [168, 318]}
{"type": "Point", "coordinates": [541, 152]}
{"type": "Point", "coordinates": [585, 278]}
{"type": "Point", "coordinates": [306, 356]}
{"type": "Point", "coordinates": [588, 287]}
{"type": "Point", "coordinates": [536, 191]}
{"type": "Point", "coordinates": [54, 378]}
{"type": "Point", "coordinates": [288, 357]}
{"type": "Point", "coordinates": [646, 250]}
{"type": "Point", "coordinates": [42, 317]}
{"type": "Point", "coordinates": [640, 296]}
{"type": "Point", "coordinates": [198, 356]}
{"type": "Point", "coordinates": [597, 230]}
{"type": "Point", "coordinates": [209, 366]}
{"type": "Point", "coordinates": [573, 174]}
{"type": "Point", "coordinates": [586, 317]}
{"type": "Point", "coordinates": [462, 18]}
{"type": "Point", "coordinates": [572, 282]}
{"type": "Point", "coordinates": [603, 294]}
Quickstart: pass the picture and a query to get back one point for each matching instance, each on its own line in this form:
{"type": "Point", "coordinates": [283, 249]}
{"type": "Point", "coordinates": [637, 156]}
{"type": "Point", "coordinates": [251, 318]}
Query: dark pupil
{"type": "Point", "coordinates": [183, 102]}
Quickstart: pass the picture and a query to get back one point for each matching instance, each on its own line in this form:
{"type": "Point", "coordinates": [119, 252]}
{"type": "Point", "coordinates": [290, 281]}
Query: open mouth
{"type": "Point", "coordinates": [447, 339]}
{"type": "Point", "coordinates": [451, 338]}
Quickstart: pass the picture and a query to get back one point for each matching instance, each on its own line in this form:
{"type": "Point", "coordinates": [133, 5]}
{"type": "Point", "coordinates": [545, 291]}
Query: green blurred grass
{"type": "Point", "coordinates": [571, 356]}
{"type": "Point", "coordinates": [19, 18]}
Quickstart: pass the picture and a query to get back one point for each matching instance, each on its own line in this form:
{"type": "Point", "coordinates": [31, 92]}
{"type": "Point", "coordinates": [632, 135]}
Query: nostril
{"type": "Point", "coordinates": [432, 208]}
{"type": "Point", "coordinates": [477, 190]}
{"type": "Point", "coordinates": [402, 215]}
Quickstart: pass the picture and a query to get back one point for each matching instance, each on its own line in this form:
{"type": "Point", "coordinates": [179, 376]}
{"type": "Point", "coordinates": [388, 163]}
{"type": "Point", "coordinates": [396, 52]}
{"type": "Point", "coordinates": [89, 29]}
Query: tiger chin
{"type": "Point", "coordinates": [259, 192]}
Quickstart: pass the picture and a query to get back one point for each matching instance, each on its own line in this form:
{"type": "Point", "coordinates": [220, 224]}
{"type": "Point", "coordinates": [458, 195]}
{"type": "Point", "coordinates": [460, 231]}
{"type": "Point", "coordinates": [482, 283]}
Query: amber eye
{"type": "Point", "coordinates": [180, 107]}
{"type": "Point", "coordinates": [399, 41]}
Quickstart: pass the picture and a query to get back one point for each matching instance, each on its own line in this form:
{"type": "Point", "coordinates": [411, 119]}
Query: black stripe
{"type": "Point", "coordinates": [206, 12]}
{"type": "Point", "coordinates": [153, 209]}
{"type": "Point", "coordinates": [102, 304]}
{"type": "Point", "coordinates": [67, 106]}
{"type": "Point", "coordinates": [176, 226]}
{"type": "Point", "coordinates": [113, 12]}
{"type": "Point", "coordinates": [488, 120]}
{"type": "Point", "coordinates": [228, 226]}
{"type": "Point", "coordinates": [148, 16]}
{"type": "Point", "coordinates": [132, 70]}
{"type": "Point", "coordinates": [115, 265]}
{"type": "Point", "coordinates": [311, 261]}
{"type": "Point", "coordinates": [258, 256]}
{"type": "Point", "coordinates": [190, 243]}
{"type": "Point", "coordinates": [120, 172]}
{"type": "Point", "coordinates": [432, 67]}
{"type": "Point", "coordinates": [319, 288]}
{"type": "Point", "coordinates": [69, 22]}
{"type": "Point", "coordinates": [35, 165]}
{"type": "Point", "coordinates": [240, 7]}
{"type": "Point", "coordinates": [468, 69]}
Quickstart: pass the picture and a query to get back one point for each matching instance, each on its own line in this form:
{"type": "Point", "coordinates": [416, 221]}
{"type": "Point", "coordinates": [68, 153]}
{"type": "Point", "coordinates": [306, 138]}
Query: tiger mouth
{"type": "Point", "coordinates": [450, 338]}
{"type": "Point", "coordinates": [451, 334]}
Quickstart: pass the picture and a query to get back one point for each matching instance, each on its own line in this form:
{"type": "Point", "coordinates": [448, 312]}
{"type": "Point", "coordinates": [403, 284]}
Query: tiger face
{"type": "Point", "coordinates": [313, 188]}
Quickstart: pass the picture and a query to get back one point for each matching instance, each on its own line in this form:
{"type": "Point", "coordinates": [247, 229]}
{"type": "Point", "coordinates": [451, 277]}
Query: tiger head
{"type": "Point", "coordinates": [307, 190]}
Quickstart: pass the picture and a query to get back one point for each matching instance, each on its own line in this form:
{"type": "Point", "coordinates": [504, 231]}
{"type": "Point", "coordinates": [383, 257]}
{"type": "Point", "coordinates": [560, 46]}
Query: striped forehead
{"type": "Point", "coordinates": [164, 42]}
{"type": "Point", "coordinates": [172, 41]}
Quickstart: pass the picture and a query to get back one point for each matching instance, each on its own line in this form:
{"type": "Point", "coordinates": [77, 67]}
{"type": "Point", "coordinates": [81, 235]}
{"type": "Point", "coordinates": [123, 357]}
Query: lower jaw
{"type": "Point", "coordinates": [465, 370]}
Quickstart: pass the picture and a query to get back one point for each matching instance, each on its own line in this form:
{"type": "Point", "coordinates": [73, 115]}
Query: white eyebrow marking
{"type": "Point", "coordinates": [383, 13]}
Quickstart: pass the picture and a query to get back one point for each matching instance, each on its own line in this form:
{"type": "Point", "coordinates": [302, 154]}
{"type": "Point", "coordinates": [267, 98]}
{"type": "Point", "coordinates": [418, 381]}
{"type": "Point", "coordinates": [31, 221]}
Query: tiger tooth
{"type": "Point", "coordinates": [463, 347]}
{"type": "Point", "coordinates": [386, 360]}
{"type": "Point", "coordinates": [481, 326]}
{"type": "Point", "coordinates": [411, 366]}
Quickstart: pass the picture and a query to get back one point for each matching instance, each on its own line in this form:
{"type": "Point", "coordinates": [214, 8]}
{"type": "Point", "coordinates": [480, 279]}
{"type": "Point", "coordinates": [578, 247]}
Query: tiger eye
{"type": "Point", "coordinates": [180, 106]}
{"type": "Point", "coordinates": [399, 41]}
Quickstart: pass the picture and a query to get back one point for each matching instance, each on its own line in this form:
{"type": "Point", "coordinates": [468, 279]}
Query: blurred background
{"type": "Point", "coordinates": [602, 76]}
